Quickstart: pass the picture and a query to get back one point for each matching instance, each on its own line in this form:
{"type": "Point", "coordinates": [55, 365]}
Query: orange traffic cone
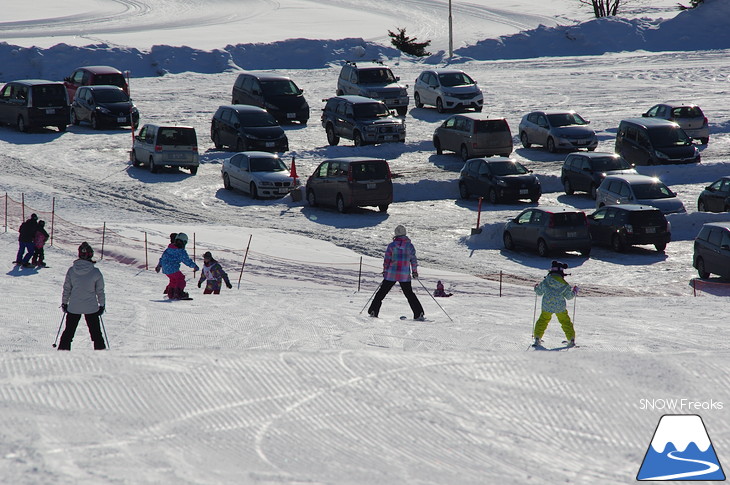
{"type": "Point", "coordinates": [293, 171]}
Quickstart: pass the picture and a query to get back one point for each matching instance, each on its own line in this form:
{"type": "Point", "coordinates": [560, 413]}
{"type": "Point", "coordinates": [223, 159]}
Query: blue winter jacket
{"type": "Point", "coordinates": [555, 291]}
{"type": "Point", "coordinates": [171, 259]}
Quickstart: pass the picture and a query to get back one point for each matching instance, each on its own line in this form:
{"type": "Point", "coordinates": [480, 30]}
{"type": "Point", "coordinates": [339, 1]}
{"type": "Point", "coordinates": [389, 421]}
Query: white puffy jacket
{"type": "Point", "coordinates": [83, 289]}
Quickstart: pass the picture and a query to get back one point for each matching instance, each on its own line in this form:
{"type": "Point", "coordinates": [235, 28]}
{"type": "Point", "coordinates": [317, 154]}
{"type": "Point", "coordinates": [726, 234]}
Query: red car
{"type": "Point", "coordinates": [94, 76]}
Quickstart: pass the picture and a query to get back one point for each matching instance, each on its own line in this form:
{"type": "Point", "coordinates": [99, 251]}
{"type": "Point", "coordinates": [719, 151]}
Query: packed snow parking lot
{"type": "Point", "coordinates": [284, 378]}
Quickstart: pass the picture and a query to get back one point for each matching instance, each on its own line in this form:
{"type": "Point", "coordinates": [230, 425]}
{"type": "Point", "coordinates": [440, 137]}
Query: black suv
{"type": "Point", "coordinates": [620, 226]}
{"type": "Point", "coordinates": [498, 179]}
{"type": "Point", "coordinates": [584, 171]}
{"type": "Point", "coordinates": [373, 80]}
{"type": "Point", "coordinates": [34, 103]}
{"type": "Point", "coordinates": [712, 250]}
{"type": "Point", "coordinates": [103, 106]}
{"type": "Point", "coordinates": [246, 128]}
{"type": "Point", "coordinates": [351, 182]}
{"type": "Point", "coordinates": [715, 197]}
{"type": "Point", "coordinates": [363, 120]}
{"type": "Point", "coordinates": [277, 94]}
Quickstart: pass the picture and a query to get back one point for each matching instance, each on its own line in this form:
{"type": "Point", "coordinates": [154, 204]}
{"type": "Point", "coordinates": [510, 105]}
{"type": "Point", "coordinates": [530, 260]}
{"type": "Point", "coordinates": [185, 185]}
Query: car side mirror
{"type": "Point", "coordinates": [725, 247]}
{"type": "Point", "coordinates": [645, 115]}
{"type": "Point", "coordinates": [397, 78]}
{"type": "Point", "coordinates": [67, 79]}
{"type": "Point", "coordinates": [674, 194]}
{"type": "Point", "coordinates": [710, 188]}
{"type": "Point", "coordinates": [590, 216]}
{"type": "Point", "coordinates": [588, 122]}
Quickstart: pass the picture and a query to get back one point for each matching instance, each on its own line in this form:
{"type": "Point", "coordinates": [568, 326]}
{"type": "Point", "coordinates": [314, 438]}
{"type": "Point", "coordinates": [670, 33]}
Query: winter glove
{"type": "Point", "coordinates": [229, 285]}
{"type": "Point", "coordinates": [575, 290]}
{"type": "Point", "coordinates": [196, 268]}
{"type": "Point", "coordinates": [64, 307]}
{"type": "Point", "coordinates": [101, 310]}
{"type": "Point", "coordinates": [415, 274]}
{"type": "Point", "coordinates": [158, 268]}
{"type": "Point", "coordinates": [200, 283]}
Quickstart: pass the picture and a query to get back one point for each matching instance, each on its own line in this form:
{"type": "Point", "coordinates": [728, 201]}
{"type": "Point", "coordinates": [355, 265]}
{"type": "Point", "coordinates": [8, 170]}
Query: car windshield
{"type": "Point", "coordinates": [370, 110]}
{"type": "Point", "coordinates": [111, 96]}
{"type": "Point", "coordinates": [177, 136]}
{"type": "Point", "coordinates": [369, 170]}
{"type": "Point", "coordinates": [490, 126]}
{"type": "Point", "coordinates": [375, 76]}
{"type": "Point", "coordinates": [279, 87]}
{"type": "Point", "coordinates": [687, 112]}
{"type": "Point", "coordinates": [667, 136]}
{"type": "Point", "coordinates": [610, 163]}
{"type": "Point", "coordinates": [566, 119]}
{"type": "Point", "coordinates": [655, 190]}
{"type": "Point", "coordinates": [109, 80]}
{"type": "Point", "coordinates": [257, 118]}
{"type": "Point", "coordinates": [508, 168]}
{"type": "Point", "coordinates": [455, 79]}
{"type": "Point", "coordinates": [267, 165]}
{"type": "Point", "coordinates": [564, 219]}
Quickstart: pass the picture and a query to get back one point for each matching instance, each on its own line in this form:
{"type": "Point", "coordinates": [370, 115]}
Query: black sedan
{"type": "Point", "coordinates": [715, 197]}
{"type": "Point", "coordinates": [498, 179]}
{"type": "Point", "coordinates": [103, 106]}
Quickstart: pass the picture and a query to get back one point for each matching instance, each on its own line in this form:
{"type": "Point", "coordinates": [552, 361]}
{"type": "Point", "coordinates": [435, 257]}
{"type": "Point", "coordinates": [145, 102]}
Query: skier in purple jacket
{"type": "Point", "coordinates": [399, 262]}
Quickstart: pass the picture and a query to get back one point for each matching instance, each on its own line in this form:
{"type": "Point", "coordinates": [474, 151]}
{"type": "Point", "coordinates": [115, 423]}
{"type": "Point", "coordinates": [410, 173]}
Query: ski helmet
{"type": "Point", "coordinates": [85, 251]}
{"type": "Point", "coordinates": [400, 230]}
{"type": "Point", "coordinates": [182, 237]}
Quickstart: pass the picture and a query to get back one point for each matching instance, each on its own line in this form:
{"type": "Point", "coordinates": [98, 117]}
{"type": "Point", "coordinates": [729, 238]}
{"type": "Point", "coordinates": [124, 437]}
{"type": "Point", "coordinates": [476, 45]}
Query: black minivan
{"type": "Point", "coordinates": [712, 250]}
{"type": "Point", "coordinates": [34, 103]}
{"type": "Point", "coordinates": [621, 226]}
{"type": "Point", "coordinates": [277, 94]}
{"type": "Point", "coordinates": [348, 182]}
{"type": "Point", "coordinates": [653, 141]}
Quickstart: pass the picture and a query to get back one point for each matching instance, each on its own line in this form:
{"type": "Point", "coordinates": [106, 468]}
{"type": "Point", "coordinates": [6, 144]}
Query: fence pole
{"type": "Point", "coordinates": [244, 261]}
{"type": "Point", "coordinates": [6, 212]}
{"type": "Point", "coordinates": [22, 207]}
{"type": "Point", "coordinates": [694, 287]}
{"type": "Point", "coordinates": [194, 254]}
{"type": "Point", "coordinates": [500, 283]}
{"type": "Point", "coordinates": [53, 217]}
{"type": "Point", "coordinates": [146, 261]}
{"type": "Point", "coordinates": [359, 275]}
{"type": "Point", "coordinates": [103, 240]}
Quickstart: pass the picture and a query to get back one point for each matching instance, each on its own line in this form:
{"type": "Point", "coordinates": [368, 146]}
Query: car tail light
{"type": "Point", "coordinates": [158, 148]}
{"type": "Point", "coordinates": [585, 220]}
{"type": "Point", "coordinates": [390, 175]}
{"type": "Point", "coordinates": [195, 149]}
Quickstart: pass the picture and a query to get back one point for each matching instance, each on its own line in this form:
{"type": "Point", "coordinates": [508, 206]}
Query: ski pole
{"type": "Point", "coordinates": [434, 299]}
{"type": "Point", "coordinates": [371, 297]}
{"type": "Point", "coordinates": [63, 317]}
{"type": "Point", "coordinates": [534, 314]}
{"type": "Point", "coordinates": [101, 320]}
{"type": "Point", "coordinates": [575, 300]}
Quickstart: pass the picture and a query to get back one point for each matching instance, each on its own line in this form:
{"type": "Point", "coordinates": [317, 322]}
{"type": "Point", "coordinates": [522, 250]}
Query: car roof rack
{"type": "Point", "coordinates": [374, 61]}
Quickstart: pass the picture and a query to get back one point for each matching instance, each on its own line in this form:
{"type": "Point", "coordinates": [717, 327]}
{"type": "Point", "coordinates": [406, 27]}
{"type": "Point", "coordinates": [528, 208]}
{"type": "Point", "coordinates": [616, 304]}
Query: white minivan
{"type": "Point", "coordinates": [638, 189]}
{"type": "Point", "coordinates": [166, 145]}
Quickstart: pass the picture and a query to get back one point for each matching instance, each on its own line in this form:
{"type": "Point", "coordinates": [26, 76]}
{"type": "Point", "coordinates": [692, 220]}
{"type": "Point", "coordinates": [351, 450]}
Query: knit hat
{"type": "Point", "coordinates": [558, 267]}
{"type": "Point", "coordinates": [207, 255]}
{"type": "Point", "coordinates": [42, 223]}
{"type": "Point", "coordinates": [85, 251]}
{"type": "Point", "coordinates": [400, 230]}
{"type": "Point", "coordinates": [34, 217]}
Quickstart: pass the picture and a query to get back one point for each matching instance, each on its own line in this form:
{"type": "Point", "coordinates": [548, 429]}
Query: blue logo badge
{"type": "Point", "coordinates": [681, 450]}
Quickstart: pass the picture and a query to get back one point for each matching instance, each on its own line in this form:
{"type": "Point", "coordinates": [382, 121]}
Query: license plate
{"type": "Point", "coordinates": [121, 119]}
{"type": "Point", "coordinates": [524, 191]}
{"type": "Point", "coordinates": [178, 156]}
{"type": "Point", "coordinates": [650, 230]}
{"type": "Point", "coordinates": [291, 116]}
{"type": "Point", "coordinates": [270, 144]}
{"type": "Point", "coordinates": [572, 234]}
{"type": "Point", "coordinates": [50, 111]}
{"type": "Point", "coordinates": [390, 138]}
{"type": "Point", "coordinates": [391, 101]}
{"type": "Point", "coordinates": [283, 191]}
{"type": "Point", "coordinates": [371, 186]}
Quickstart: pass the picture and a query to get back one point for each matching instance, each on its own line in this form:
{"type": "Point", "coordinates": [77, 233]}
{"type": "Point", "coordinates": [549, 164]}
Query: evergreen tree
{"type": "Point", "coordinates": [407, 44]}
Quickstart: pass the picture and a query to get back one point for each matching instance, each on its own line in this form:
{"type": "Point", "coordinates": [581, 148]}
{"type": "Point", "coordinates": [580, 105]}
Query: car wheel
{"type": "Point", "coordinates": [535, 199]}
{"type": "Point", "coordinates": [74, 119]}
{"type": "Point", "coordinates": [357, 139]}
{"type": "Point", "coordinates": [226, 182]}
{"type": "Point", "coordinates": [507, 240]}
{"type": "Point", "coordinates": [383, 208]}
{"type": "Point", "coordinates": [542, 248]}
{"type": "Point", "coordinates": [240, 145]}
{"type": "Point", "coordinates": [525, 142]}
{"type": "Point", "coordinates": [135, 160]}
{"type": "Point", "coordinates": [701, 205]}
{"type": "Point", "coordinates": [152, 166]}
{"type": "Point", "coordinates": [550, 145]}
{"type": "Point", "coordinates": [61, 128]}
{"type": "Point", "coordinates": [253, 190]}
{"type": "Point", "coordinates": [332, 139]}
{"type": "Point", "coordinates": [660, 247]}
{"type": "Point", "coordinates": [417, 100]}
{"type": "Point", "coordinates": [217, 141]}
{"type": "Point", "coordinates": [618, 244]}
{"type": "Point", "coordinates": [593, 191]}
{"type": "Point", "coordinates": [94, 122]}
{"type": "Point", "coordinates": [592, 149]}
{"type": "Point", "coordinates": [437, 145]}
{"type": "Point", "coordinates": [22, 127]}
{"type": "Point", "coordinates": [464, 152]}
{"type": "Point", "coordinates": [341, 208]}
{"type": "Point", "coordinates": [193, 170]}
{"type": "Point", "coordinates": [568, 187]}
{"type": "Point", "coordinates": [704, 141]}
{"type": "Point", "coordinates": [463, 191]}
{"type": "Point", "coordinates": [402, 111]}
{"type": "Point", "coordinates": [704, 274]}
{"type": "Point", "coordinates": [478, 109]}
{"type": "Point", "coordinates": [311, 198]}
{"type": "Point", "coordinates": [492, 196]}
{"type": "Point", "coordinates": [439, 105]}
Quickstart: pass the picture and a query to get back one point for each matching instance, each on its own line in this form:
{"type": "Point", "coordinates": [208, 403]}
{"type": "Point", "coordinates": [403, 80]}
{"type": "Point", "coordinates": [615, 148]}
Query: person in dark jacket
{"type": "Point", "coordinates": [83, 294]}
{"type": "Point", "coordinates": [398, 265]}
{"type": "Point", "coordinates": [213, 273]}
{"type": "Point", "coordinates": [26, 234]}
{"type": "Point", "coordinates": [41, 236]}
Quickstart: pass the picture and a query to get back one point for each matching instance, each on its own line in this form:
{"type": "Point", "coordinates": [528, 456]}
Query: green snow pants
{"type": "Point", "coordinates": [564, 319]}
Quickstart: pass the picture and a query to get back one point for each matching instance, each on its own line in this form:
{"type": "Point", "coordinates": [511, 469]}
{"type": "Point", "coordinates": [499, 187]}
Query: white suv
{"type": "Point", "coordinates": [638, 189]}
{"type": "Point", "coordinates": [373, 80]}
{"type": "Point", "coordinates": [447, 89]}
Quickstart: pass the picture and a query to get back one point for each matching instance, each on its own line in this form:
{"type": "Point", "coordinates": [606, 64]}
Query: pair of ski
{"type": "Point", "coordinates": [566, 346]}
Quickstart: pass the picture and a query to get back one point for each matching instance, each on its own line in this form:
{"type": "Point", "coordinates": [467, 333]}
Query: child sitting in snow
{"type": "Point", "coordinates": [212, 273]}
{"type": "Point", "coordinates": [440, 290]}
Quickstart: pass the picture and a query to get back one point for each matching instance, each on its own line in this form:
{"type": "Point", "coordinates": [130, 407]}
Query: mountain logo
{"type": "Point", "coordinates": [681, 450]}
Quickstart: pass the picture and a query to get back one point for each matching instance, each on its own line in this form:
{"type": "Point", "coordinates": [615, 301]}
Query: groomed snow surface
{"type": "Point", "coordinates": [284, 379]}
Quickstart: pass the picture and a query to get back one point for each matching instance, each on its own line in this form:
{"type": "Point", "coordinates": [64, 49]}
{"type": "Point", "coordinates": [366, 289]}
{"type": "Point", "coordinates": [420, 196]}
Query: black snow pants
{"type": "Point", "coordinates": [72, 321]}
{"type": "Point", "coordinates": [407, 289]}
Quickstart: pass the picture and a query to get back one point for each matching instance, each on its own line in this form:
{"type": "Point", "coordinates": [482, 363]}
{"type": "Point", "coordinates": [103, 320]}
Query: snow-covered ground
{"type": "Point", "coordinates": [283, 379]}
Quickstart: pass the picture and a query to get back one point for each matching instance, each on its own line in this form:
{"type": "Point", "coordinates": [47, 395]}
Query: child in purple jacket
{"type": "Point", "coordinates": [399, 262]}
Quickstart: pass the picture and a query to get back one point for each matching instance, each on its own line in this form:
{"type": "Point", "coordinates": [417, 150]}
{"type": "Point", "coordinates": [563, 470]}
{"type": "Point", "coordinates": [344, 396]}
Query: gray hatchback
{"type": "Point", "coordinates": [712, 250]}
{"type": "Point", "coordinates": [549, 229]}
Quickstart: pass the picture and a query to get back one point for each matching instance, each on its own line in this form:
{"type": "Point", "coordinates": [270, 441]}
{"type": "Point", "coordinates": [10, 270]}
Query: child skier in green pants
{"type": "Point", "coordinates": [555, 291]}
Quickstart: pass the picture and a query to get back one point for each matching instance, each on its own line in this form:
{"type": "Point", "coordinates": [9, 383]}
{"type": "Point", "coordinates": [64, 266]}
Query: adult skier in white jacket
{"type": "Point", "coordinates": [83, 294]}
